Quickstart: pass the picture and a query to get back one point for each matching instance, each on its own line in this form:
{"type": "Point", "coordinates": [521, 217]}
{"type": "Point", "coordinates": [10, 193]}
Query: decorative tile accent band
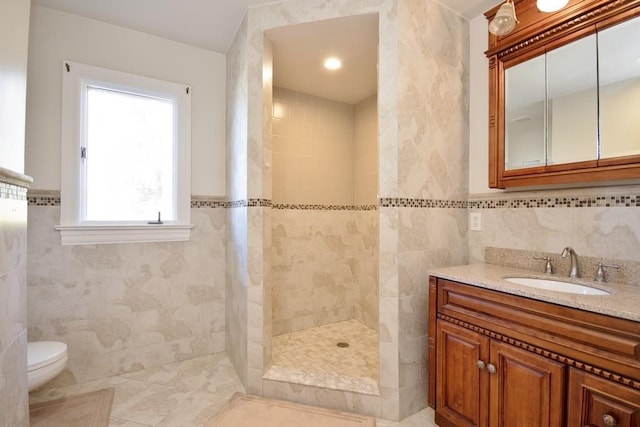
{"type": "Point", "coordinates": [12, 191]}
{"type": "Point", "coordinates": [43, 200]}
{"type": "Point", "coordinates": [560, 202]}
{"type": "Point", "coordinates": [250, 203]}
{"type": "Point", "coordinates": [325, 207]}
{"type": "Point", "coordinates": [214, 203]}
{"type": "Point", "coordinates": [399, 202]}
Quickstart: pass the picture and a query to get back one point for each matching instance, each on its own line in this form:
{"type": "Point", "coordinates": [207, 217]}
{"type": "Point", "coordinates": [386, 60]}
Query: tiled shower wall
{"type": "Point", "coordinates": [423, 139]}
{"type": "Point", "coordinates": [365, 152]}
{"type": "Point", "coordinates": [236, 280]}
{"type": "Point", "coordinates": [324, 253]}
{"type": "Point", "coordinates": [125, 307]}
{"type": "Point", "coordinates": [324, 268]}
{"type": "Point", "coordinates": [313, 149]}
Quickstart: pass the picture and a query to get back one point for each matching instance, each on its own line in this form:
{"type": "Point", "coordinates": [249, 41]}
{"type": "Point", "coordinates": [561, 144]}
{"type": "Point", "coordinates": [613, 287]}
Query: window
{"type": "Point", "coordinates": [125, 157]}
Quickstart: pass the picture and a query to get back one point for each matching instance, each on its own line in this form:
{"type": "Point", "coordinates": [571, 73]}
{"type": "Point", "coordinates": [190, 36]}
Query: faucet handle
{"type": "Point", "coordinates": [600, 271]}
{"type": "Point", "coordinates": [548, 267]}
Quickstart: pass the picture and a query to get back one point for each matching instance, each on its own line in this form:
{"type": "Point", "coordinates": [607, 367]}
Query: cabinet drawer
{"type": "Point", "coordinates": [596, 402]}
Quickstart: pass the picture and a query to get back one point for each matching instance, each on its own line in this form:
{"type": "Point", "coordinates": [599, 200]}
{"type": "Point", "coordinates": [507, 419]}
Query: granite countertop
{"type": "Point", "coordinates": [624, 301]}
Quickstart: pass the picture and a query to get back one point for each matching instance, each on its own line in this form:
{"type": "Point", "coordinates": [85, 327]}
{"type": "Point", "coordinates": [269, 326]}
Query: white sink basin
{"type": "Point", "coordinates": [556, 285]}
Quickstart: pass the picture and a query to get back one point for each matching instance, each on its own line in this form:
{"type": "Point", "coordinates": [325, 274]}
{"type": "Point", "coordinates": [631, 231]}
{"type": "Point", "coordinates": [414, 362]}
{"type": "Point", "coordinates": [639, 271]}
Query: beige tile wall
{"type": "Point", "coordinates": [14, 402]}
{"type": "Point", "coordinates": [236, 232]}
{"type": "Point", "coordinates": [125, 307]}
{"type": "Point", "coordinates": [365, 152]}
{"type": "Point", "coordinates": [324, 268]}
{"type": "Point", "coordinates": [423, 140]}
{"type": "Point", "coordinates": [313, 149]}
{"type": "Point", "coordinates": [323, 261]}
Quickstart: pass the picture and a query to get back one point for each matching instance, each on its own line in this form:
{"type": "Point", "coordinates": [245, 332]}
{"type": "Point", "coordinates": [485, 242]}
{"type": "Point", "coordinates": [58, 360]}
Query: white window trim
{"type": "Point", "coordinates": [76, 77]}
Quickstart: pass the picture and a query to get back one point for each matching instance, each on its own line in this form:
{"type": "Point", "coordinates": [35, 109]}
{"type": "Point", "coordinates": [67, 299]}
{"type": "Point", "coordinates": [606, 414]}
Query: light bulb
{"type": "Point", "coordinates": [551, 5]}
{"type": "Point", "coordinates": [505, 20]}
{"type": "Point", "coordinates": [332, 63]}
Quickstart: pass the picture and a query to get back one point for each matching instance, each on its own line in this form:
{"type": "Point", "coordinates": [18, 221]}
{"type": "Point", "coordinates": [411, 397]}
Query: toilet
{"type": "Point", "coordinates": [45, 360]}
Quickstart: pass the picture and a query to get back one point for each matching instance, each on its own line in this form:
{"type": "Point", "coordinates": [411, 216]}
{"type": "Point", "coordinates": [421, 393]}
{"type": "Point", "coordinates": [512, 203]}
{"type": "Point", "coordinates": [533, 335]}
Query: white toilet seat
{"type": "Point", "coordinates": [44, 353]}
{"type": "Point", "coordinates": [45, 360]}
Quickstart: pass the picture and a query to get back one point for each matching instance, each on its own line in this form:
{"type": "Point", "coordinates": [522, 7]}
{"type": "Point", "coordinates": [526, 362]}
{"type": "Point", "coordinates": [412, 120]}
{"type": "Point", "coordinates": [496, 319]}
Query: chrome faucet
{"type": "Point", "coordinates": [574, 260]}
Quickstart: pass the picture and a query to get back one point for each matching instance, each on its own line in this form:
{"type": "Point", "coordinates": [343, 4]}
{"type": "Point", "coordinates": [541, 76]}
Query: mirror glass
{"type": "Point", "coordinates": [551, 107]}
{"type": "Point", "coordinates": [619, 60]}
{"type": "Point", "coordinates": [524, 114]}
{"type": "Point", "coordinates": [572, 102]}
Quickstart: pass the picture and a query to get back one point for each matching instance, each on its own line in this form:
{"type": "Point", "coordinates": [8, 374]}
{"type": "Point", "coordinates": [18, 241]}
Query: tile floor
{"type": "Point", "coordinates": [312, 357]}
{"type": "Point", "coordinates": [316, 350]}
{"type": "Point", "coordinates": [180, 394]}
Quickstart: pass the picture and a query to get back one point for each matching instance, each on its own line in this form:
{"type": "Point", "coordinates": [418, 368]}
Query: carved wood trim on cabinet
{"type": "Point", "coordinates": [602, 352]}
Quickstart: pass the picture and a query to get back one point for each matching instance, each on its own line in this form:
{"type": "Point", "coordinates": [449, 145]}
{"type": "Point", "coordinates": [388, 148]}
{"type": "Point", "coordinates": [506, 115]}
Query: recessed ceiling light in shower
{"type": "Point", "coordinates": [332, 63]}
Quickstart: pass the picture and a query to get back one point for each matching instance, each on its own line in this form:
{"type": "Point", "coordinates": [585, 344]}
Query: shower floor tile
{"type": "Point", "coordinates": [312, 356]}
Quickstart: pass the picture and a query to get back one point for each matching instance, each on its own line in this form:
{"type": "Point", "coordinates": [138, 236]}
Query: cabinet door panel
{"type": "Point", "coordinates": [462, 390]}
{"type": "Point", "coordinates": [596, 402]}
{"type": "Point", "coordinates": [526, 390]}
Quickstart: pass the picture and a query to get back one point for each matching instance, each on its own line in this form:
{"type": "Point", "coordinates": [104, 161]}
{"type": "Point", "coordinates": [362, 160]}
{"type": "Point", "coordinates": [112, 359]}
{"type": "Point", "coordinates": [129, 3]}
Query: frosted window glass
{"type": "Point", "coordinates": [130, 157]}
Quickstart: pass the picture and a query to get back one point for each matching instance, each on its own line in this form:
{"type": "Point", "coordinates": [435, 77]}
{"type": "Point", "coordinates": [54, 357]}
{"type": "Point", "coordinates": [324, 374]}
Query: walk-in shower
{"type": "Point", "coordinates": [324, 218]}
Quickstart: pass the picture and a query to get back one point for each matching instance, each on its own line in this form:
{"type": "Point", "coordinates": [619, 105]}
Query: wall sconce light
{"type": "Point", "coordinates": [551, 5]}
{"type": "Point", "coordinates": [505, 20]}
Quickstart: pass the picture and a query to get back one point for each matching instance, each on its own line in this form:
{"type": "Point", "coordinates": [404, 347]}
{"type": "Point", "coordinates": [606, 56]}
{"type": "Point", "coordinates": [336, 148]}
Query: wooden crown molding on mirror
{"type": "Point", "coordinates": [536, 33]}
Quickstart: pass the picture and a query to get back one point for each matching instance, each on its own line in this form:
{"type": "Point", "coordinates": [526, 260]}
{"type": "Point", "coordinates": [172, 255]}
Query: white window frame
{"type": "Point", "coordinates": [73, 230]}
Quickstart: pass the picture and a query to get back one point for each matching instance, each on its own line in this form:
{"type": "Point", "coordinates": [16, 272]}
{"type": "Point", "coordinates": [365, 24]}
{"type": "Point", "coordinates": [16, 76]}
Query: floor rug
{"type": "Point", "coordinates": [84, 410]}
{"type": "Point", "coordinates": [250, 411]}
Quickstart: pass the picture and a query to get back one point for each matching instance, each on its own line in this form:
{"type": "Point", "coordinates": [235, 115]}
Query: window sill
{"type": "Point", "coordinates": [104, 234]}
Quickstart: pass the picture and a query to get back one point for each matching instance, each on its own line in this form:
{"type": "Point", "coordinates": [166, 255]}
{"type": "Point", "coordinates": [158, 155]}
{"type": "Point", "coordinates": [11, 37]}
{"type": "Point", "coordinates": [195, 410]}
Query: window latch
{"type": "Point", "coordinates": [159, 221]}
{"type": "Point", "coordinates": [83, 153]}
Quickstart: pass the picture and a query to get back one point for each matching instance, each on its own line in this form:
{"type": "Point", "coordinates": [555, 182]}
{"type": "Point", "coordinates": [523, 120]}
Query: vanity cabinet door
{"type": "Point", "coordinates": [526, 389]}
{"type": "Point", "coordinates": [462, 388]}
{"type": "Point", "coordinates": [596, 402]}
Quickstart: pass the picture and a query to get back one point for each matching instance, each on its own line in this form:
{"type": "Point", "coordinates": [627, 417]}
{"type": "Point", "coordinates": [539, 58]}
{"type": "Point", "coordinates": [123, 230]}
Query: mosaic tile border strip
{"type": "Point", "coordinates": [324, 207]}
{"type": "Point", "coordinates": [200, 203]}
{"type": "Point", "coordinates": [249, 203]}
{"type": "Point", "coordinates": [399, 202]}
{"type": "Point", "coordinates": [12, 191]}
{"type": "Point", "coordinates": [559, 202]}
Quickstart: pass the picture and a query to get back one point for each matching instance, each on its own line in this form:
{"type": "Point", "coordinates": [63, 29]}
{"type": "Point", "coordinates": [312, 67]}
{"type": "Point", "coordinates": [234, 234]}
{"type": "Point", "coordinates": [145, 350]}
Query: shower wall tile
{"type": "Point", "coordinates": [323, 268]}
{"type": "Point", "coordinates": [366, 267]}
{"type": "Point", "coordinates": [389, 267]}
{"type": "Point", "coordinates": [313, 148]}
{"type": "Point", "coordinates": [432, 164]}
{"type": "Point", "coordinates": [236, 281]}
{"type": "Point", "coordinates": [422, 117]}
{"type": "Point", "coordinates": [365, 152]}
{"type": "Point", "coordinates": [125, 307]}
{"type": "Point", "coordinates": [236, 294]}
{"type": "Point", "coordinates": [433, 111]}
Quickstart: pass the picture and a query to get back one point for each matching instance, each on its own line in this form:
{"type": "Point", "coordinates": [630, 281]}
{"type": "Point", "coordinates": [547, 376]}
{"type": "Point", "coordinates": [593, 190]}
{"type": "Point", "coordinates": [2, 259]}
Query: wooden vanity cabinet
{"type": "Point", "coordinates": [596, 402]}
{"type": "Point", "coordinates": [497, 360]}
{"type": "Point", "coordinates": [489, 383]}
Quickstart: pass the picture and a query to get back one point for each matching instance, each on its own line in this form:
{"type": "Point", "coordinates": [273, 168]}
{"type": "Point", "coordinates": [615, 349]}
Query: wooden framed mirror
{"type": "Point", "coordinates": [564, 95]}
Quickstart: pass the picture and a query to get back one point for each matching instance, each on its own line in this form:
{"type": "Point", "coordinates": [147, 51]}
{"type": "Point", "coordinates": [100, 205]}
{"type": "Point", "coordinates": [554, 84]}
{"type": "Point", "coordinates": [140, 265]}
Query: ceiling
{"type": "Point", "coordinates": [298, 49]}
{"type": "Point", "coordinates": [209, 24]}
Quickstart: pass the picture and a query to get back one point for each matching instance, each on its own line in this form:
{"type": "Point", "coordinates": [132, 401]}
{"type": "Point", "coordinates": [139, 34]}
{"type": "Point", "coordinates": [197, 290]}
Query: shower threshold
{"type": "Point", "coordinates": [324, 380]}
